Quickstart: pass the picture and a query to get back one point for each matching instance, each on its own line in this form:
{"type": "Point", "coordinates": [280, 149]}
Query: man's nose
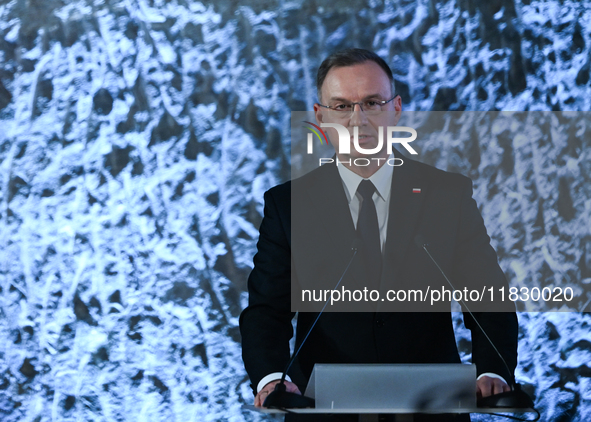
{"type": "Point", "coordinates": [358, 117]}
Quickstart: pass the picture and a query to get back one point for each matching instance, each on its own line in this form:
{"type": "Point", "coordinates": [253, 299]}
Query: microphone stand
{"type": "Point", "coordinates": [280, 398]}
{"type": "Point", "coordinates": [516, 398]}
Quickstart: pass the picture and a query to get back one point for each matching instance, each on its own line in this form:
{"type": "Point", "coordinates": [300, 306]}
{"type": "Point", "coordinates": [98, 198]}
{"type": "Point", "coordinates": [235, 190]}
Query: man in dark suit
{"type": "Point", "coordinates": [324, 210]}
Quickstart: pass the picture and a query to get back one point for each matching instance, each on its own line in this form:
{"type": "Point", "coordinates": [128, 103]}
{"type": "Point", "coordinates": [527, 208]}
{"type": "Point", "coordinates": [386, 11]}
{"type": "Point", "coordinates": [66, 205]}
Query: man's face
{"type": "Point", "coordinates": [360, 82]}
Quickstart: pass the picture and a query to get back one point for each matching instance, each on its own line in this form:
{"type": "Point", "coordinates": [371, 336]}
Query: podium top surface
{"type": "Point", "coordinates": [393, 411]}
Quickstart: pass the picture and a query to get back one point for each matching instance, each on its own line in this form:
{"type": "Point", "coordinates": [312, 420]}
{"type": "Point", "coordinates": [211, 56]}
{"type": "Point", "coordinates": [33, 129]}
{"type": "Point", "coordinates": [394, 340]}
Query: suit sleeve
{"type": "Point", "coordinates": [477, 267]}
{"type": "Point", "coordinates": [265, 325]}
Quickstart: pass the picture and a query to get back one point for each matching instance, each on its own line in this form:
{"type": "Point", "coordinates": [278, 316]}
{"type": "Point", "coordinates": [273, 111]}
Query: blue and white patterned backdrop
{"type": "Point", "coordinates": [137, 138]}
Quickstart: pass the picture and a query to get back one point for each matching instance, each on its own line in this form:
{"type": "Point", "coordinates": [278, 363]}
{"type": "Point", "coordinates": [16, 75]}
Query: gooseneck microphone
{"type": "Point", "coordinates": [516, 398]}
{"type": "Point", "coordinates": [279, 398]}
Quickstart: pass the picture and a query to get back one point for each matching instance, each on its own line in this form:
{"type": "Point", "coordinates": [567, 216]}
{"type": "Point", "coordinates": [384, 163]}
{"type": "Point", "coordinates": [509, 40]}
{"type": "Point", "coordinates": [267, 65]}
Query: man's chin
{"type": "Point", "coordinates": [362, 157]}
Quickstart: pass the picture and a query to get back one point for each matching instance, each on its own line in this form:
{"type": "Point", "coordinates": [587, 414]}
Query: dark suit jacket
{"type": "Point", "coordinates": [312, 211]}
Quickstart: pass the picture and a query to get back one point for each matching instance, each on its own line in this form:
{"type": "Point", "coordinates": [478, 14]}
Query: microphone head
{"type": "Point", "coordinates": [420, 241]}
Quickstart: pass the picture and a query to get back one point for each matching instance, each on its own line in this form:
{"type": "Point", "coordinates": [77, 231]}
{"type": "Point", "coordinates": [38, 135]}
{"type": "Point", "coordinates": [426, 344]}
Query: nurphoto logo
{"type": "Point", "coordinates": [344, 144]}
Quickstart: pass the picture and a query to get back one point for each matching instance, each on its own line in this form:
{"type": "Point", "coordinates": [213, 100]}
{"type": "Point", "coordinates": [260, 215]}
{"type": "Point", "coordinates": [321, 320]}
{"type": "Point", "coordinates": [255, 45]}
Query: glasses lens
{"type": "Point", "coordinates": [368, 107]}
{"type": "Point", "coordinates": [372, 106]}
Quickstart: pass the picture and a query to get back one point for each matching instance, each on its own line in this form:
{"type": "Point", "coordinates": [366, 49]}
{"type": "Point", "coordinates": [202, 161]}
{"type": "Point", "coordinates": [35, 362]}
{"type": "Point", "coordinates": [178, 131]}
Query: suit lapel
{"type": "Point", "coordinates": [405, 210]}
{"type": "Point", "coordinates": [328, 198]}
{"type": "Point", "coordinates": [331, 204]}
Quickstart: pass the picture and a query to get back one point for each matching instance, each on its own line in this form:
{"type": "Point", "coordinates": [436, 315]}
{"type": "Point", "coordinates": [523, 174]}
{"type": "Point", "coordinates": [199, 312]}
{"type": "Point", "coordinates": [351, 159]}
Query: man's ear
{"type": "Point", "coordinates": [397, 103]}
{"type": "Point", "coordinates": [397, 108]}
{"type": "Point", "coordinates": [318, 113]}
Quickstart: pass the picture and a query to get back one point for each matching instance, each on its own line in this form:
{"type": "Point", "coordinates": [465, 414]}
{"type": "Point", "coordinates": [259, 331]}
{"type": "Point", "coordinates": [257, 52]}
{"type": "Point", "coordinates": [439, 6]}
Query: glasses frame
{"type": "Point", "coordinates": [359, 103]}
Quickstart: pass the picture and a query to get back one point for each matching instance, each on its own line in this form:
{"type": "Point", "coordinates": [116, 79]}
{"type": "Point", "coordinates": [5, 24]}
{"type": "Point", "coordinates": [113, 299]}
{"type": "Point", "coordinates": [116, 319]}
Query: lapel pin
{"type": "Point", "coordinates": [416, 190]}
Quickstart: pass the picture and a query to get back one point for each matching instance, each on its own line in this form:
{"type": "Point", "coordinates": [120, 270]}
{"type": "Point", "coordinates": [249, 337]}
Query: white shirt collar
{"type": "Point", "coordinates": [382, 180]}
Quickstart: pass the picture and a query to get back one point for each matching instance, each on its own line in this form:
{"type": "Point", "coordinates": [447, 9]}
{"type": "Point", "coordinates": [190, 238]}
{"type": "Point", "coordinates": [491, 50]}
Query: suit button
{"type": "Point", "coordinates": [380, 322]}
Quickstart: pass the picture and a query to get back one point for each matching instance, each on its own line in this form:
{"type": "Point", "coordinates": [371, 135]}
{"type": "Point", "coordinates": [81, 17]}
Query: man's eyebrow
{"type": "Point", "coordinates": [368, 97]}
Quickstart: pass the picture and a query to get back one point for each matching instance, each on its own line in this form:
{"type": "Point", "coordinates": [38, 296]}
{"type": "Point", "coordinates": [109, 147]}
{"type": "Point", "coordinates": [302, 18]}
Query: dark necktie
{"type": "Point", "coordinates": [369, 233]}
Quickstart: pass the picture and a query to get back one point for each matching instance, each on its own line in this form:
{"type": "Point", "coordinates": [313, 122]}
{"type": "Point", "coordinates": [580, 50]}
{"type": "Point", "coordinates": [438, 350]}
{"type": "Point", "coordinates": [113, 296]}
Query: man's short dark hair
{"type": "Point", "coordinates": [350, 57]}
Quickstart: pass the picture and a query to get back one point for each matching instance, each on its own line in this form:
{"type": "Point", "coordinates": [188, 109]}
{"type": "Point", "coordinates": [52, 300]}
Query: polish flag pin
{"type": "Point", "coordinates": [416, 190]}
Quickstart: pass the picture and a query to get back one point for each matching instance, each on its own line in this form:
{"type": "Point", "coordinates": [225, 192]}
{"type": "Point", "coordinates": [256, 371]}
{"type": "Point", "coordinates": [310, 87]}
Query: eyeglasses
{"type": "Point", "coordinates": [369, 107]}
